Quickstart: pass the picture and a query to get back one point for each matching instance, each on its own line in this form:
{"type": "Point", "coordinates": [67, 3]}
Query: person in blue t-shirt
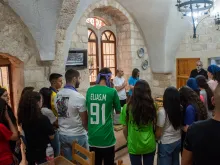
{"type": "Point", "coordinates": [193, 109]}
{"type": "Point", "coordinates": [132, 80]}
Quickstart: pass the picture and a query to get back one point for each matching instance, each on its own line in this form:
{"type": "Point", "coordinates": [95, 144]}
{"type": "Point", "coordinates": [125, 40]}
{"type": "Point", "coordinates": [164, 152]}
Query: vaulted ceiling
{"type": "Point", "coordinates": [159, 20]}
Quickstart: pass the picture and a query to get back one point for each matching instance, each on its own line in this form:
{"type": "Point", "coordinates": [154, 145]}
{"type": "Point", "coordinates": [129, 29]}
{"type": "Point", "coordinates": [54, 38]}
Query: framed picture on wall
{"type": "Point", "coordinates": [77, 58]}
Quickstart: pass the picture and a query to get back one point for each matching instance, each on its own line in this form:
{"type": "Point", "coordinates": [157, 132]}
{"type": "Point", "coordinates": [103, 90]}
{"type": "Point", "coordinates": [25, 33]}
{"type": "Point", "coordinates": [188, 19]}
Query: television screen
{"type": "Point", "coordinates": [77, 58]}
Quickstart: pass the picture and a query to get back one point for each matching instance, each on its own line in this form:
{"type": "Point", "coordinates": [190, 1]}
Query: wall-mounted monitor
{"type": "Point", "coordinates": [77, 58]}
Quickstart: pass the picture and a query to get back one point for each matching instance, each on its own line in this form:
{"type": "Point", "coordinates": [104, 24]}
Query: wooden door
{"type": "Point", "coordinates": [184, 66]}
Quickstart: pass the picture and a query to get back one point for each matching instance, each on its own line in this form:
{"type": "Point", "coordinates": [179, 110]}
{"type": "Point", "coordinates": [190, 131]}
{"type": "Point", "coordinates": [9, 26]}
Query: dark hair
{"type": "Point", "coordinates": [26, 89]}
{"type": "Point", "coordinates": [202, 83]}
{"type": "Point", "coordinates": [104, 71]}
{"type": "Point", "coordinates": [171, 103]}
{"type": "Point", "coordinates": [70, 74]}
{"type": "Point", "coordinates": [28, 109]}
{"type": "Point", "coordinates": [46, 95]}
{"type": "Point", "coordinates": [217, 77]}
{"type": "Point", "coordinates": [2, 91]}
{"type": "Point", "coordinates": [189, 97]}
{"type": "Point", "coordinates": [54, 76]}
{"type": "Point", "coordinates": [141, 105]}
{"type": "Point", "coordinates": [135, 73]}
{"type": "Point", "coordinates": [3, 105]}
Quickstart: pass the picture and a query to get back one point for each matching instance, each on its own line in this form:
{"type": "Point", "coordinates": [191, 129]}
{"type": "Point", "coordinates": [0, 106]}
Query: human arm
{"type": "Point", "coordinates": [123, 121]}
{"type": "Point", "coordinates": [84, 118]}
{"type": "Point", "coordinates": [117, 86]}
{"type": "Point", "coordinates": [47, 126]}
{"type": "Point", "coordinates": [189, 118]}
{"type": "Point", "coordinates": [161, 118]}
{"type": "Point", "coordinates": [116, 103]}
{"type": "Point", "coordinates": [12, 127]}
{"type": "Point", "coordinates": [81, 106]}
{"type": "Point", "coordinates": [131, 83]}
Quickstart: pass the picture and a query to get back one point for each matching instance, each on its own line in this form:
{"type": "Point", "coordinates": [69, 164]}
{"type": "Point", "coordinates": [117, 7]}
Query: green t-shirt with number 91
{"type": "Point", "coordinates": [100, 102]}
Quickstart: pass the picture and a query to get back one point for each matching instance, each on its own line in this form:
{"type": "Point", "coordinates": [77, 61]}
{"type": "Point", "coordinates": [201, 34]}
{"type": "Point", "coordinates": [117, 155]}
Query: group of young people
{"type": "Point", "coordinates": [59, 116]}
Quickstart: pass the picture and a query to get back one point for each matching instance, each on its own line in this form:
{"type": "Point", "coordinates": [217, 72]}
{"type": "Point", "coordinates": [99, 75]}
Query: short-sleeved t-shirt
{"type": "Point", "coordinates": [141, 140]}
{"type": "Point", "coordinates": [69, 103]}
{"type": "Point", "coordinates": [37, 137]}
{"type": "Point", "coordinates": [132, 81]}
{"type": "Point", "coordinates": [101, 101]}
{"type": "Point", "coordinates": [118, 81]}
{"type": "Point", "coordinates": [53, 96]}
{"type": "Point", "coordinates": [47, 112]}
{"type": "Point", "coordinates": [170, 135]}
{"type": "Point", "coordinates": [5, 151]}
{"type": "Point", "coordinates": [190, 115]}
{"type": "Point", "coordinates": [202, 139]}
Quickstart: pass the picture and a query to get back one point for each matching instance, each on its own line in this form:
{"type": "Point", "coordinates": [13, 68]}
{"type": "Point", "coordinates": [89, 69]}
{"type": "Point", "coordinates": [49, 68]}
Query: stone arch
{"type": "Point", "coordinates": [129, 36]}
{"type": "Point", "coordinates": [15, 75]}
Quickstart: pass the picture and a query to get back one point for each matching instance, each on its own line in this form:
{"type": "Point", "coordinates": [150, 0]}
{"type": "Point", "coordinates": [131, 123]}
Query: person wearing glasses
{"type": "Point", "coordinates": [199, 70]}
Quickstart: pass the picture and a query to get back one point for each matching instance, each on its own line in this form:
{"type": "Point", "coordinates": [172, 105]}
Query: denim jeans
{"type": "Point", "coordinates": [67, 141]}
{"type": "Point", "coordinates": [56, 144]}
{"type": "Point", "coordinates": [169, 153]}
{"type": "Point", "coordinates": [148, 159]}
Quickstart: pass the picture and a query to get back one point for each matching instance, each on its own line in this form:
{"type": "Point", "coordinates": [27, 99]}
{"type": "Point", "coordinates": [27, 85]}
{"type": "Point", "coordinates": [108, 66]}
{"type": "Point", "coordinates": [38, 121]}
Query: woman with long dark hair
{"type": "Point", "coordinates": [168, 130]}
{"type": "Point", "coordinates": [46, 110]}
{"type": "Point", "coordinates": [138, 118]}
{"type": "Point", "coordinates": [8, 132]}
{"type": "Point", "coordinates": [15, 146]}
{"type": "Point", "coordinates": [193, 109]}
{"type": "Point", "coordinates": [37, 128]}
{"type": "Point", "coordinates": [207, 94]}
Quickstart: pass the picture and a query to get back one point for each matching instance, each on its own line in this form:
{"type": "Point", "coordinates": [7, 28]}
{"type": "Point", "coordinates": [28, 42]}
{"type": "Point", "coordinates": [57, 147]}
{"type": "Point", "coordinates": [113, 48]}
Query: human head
{"type": "Point", "coordinates": [4, 94]}
{"type": "Point", "coordinates": [29, 107]}
{"type": "Point", "coordinates": [201, 81]}
{"type": "Point", "coordinates": [3, 107]}
{"type": "Point", "coordinates": [26, 89]}
{"type": "Point", "coordinates": [46, 96]}
{"type": "Point", "coordinates": [73, 77]}
{"type": "Point", "coordinates": [120, 72]}
{"type": "Point", "coordinates": [171, 103]}
{"type": "Point", "coordinates": [212, 70]}
{"type": "Point", "coordinates": [192, 83]}
{"type": "Point", "coordinates": [56, 80]}
{"type": "Point", "coordinates": [135, 73]}
{"type": "Point", "coordinates": [189, 97]}
{"type": "Point", "coordinates": [104, 74]}
{"type": "Point", "coordinates": [141, 104]}
{"type": "Point", "coordinates": [199, 65]}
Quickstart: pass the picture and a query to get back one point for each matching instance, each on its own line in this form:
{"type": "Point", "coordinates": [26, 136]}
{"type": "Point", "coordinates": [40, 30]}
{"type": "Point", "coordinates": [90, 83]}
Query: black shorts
{"type": "Point", "coordinates": [123, 102]}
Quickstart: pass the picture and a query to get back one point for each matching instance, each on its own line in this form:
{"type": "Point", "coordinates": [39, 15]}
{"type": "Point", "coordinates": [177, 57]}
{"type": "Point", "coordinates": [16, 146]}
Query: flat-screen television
{"type": "Point", "coordinates": [77, 58]}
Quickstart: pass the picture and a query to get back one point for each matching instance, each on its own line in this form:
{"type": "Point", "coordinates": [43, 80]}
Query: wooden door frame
{"type": "Point", "coordinates": [10, 83]}
{"type": "Point", "coordinates": [177, 69]}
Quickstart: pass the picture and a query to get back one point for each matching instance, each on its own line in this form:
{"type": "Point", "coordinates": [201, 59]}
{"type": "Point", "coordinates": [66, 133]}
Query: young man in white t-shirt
{"type": "Point", "coordinates": [120, 84]}
{"type": "Point", "coordinates": [72, 114]}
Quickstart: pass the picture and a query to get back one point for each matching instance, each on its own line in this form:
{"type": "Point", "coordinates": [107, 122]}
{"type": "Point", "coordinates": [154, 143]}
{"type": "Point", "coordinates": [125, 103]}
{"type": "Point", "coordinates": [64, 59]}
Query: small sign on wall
{"type": "Point", "coordinates": [77, 58]}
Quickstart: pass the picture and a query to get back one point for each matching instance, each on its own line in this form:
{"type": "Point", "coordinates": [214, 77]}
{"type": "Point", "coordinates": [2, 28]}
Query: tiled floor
{"type": "Point", "coordinates": [123, 154]}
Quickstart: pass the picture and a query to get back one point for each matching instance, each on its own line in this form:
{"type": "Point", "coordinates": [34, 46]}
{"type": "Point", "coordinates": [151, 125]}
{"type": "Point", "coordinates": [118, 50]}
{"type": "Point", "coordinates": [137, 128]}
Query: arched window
{"type": "Point", "coordinates": [97, 23]}
{"type": "Point", "coordinates": [92, 56]}
{"type": "Point", "coordinates": [108, 56]}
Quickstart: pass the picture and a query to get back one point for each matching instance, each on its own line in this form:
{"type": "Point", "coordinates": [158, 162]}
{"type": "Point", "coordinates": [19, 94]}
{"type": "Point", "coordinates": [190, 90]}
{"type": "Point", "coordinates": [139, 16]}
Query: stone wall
{"type": "Point", "coordinates": [16, 41]}
{"type": "Point", "coordinates": [205, 46]}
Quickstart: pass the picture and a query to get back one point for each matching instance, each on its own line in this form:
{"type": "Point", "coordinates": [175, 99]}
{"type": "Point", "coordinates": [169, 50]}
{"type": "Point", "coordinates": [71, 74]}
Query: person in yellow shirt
{"type": "Point", "coordinates": [56, 81]}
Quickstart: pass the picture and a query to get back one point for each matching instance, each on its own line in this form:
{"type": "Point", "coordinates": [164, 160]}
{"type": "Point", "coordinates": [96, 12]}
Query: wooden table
{"type": "Point", "coordinates": [60, 160]}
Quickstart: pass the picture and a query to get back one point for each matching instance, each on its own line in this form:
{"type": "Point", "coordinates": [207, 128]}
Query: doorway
{"type": "Point", "coordinates": [184, 66]}
{"type": "Point", "coordinates": [12, 78]}
{"type": "Point", "coordinates": [5, 80]}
